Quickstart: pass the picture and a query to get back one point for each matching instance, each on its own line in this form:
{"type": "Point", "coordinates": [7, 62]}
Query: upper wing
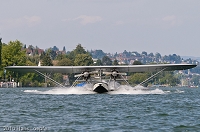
{"type": "Point", "coordinates": [121, 68]}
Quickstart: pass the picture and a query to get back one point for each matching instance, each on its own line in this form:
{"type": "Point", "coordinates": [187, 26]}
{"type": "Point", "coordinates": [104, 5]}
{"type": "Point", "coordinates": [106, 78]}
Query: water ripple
{"type": "Point", "coordinates": [167, 109]}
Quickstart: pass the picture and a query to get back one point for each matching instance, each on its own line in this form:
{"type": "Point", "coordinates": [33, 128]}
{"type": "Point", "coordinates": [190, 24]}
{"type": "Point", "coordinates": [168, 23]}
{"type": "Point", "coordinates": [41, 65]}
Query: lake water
{"type": "Point", "coordinates": [77, 109]}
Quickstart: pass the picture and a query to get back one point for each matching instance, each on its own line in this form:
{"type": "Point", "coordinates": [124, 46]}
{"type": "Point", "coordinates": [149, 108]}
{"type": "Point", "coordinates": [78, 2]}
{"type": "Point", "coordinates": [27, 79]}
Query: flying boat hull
{"type": "Point", "coordinates": [100, 87]}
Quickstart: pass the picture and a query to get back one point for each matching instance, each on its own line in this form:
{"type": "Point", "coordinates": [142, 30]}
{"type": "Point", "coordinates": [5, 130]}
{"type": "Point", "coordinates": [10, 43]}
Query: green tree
{"type": "Point", "coordinates": [58, 77]}
{"type": "Point", "coordinates": [115, 62]}
{"type": "Point", "coordinates": [30, 63]}
{"type": "Point", "coordinates": [25, 46]}
{"type": "Point", "coordinates": [158, 55]}
{"type": "Point", "coordinates": [64, 49]}
{"type": "Point", "coordinates": [32, 60]}
{"type": "Point", "coordinates": [52, 53]}
{"type": "Point", "coordinates": [65, 62]}
{"type": "Point", "coordinates": [167, 77]}
{"type": "Point", "coordinates": [31, 80]}
{"type": "Point", "coordinates": [144, 53]}
{"type": "Point", "coordinates": [98, 63]}
{"type": "Point", "coordinates": [98, 54]}
{"type": "Point", "coordinates": [137, 78]}
{"type": "Point", "coordinates": [83, 60]}
{"type": "Point", "coordinates": [106, 60]}
{"type": "Point", "coordinates": [12, 54]}
{"type": "Point", "coordinates": [79, 50]}
{"type": "Point", "coordinates": [137, 63]}
{"type": "Point", "coordinates": [195, 80]}
{"type": "Point", "coordinates": [61, 56]}
{"type": "Point", "coordinates": [151, 55]}
{"type": "Point", "coordinates": [47, 60]}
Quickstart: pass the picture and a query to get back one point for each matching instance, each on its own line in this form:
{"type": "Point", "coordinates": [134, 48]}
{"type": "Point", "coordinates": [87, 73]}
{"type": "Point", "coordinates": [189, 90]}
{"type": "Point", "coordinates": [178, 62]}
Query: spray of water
{"type": "Point", "coordinates": [87, 89]}
{"type": "Point", "coordinates": [124, 89]}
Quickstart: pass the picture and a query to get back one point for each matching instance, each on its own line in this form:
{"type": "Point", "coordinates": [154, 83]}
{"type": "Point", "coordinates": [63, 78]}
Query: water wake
{"type": "Point", "coordinates": [68, 90]}
{"type": "Point", "coordinates": [123, 89]}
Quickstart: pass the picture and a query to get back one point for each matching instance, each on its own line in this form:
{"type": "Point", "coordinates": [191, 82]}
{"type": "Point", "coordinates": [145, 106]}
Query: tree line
{"type": "Point", "coordinates": [15, 53]}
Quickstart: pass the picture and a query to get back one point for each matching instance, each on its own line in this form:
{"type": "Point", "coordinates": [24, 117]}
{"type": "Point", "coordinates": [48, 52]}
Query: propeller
{"type": "Point", "coordinates": [114, 74]}
{"type": "Point", "coordinates": [85, 74]}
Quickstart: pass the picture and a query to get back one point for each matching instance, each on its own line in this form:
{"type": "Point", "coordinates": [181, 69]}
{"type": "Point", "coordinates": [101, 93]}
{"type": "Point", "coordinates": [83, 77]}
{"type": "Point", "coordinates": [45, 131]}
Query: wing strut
{"type": "Point", "coordinates": [75, 82]}
{"type": "Point", "coordinates": [142, 83]}
{"type": "Point", "coordinates": [125, 80]}
{"type": "Point", "coordinates": [49, 78]}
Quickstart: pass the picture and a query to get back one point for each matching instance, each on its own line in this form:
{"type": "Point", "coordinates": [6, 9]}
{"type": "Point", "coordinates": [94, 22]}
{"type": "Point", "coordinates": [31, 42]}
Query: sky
{"type": "Point", "coordinates": [163, 26]}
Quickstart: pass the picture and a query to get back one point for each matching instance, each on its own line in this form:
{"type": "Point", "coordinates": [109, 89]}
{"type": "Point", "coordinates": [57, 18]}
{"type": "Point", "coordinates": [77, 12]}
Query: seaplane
{"type": "Point", "coordinates": [99, 77]}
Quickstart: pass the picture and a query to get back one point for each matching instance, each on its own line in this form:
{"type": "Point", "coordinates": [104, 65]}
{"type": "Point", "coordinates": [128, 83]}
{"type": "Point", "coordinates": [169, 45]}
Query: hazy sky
{"type": "Point", "coordinates": [164, 26]}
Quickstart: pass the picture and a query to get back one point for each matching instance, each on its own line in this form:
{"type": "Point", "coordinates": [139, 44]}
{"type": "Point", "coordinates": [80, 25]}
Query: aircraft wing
{"type": "Point", "coordinates": [119, 68]}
